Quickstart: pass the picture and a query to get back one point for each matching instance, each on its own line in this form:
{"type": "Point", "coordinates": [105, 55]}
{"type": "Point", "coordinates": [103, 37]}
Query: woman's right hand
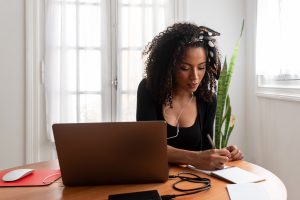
{"type": "Point", "coordinates": [210, 159]}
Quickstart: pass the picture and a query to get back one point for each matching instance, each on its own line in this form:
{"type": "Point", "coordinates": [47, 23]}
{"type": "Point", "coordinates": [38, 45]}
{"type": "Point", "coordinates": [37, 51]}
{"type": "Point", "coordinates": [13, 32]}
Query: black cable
{"type": "Point", "coordinates": [173, 196]}
{"type": "Point", "coordinates": [193, 178]}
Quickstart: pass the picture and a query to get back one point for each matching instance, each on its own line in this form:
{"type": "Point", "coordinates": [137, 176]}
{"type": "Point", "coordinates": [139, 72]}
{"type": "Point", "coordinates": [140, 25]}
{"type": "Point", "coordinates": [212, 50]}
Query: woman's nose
{"type": "Point", "coordinates": [194, 74]}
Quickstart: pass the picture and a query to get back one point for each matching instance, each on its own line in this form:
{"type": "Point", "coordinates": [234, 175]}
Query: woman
{"type": "Point", "coordinates": [182, 66]}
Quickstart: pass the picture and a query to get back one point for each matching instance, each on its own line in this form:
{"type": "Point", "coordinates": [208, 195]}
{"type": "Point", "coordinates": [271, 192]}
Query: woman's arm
{"type": "Point", "coordinates": [146, 108]}
{"type": "Point", "coordinates": [208, 118]}
{"type": "Point", "coordinates": [209, 160]}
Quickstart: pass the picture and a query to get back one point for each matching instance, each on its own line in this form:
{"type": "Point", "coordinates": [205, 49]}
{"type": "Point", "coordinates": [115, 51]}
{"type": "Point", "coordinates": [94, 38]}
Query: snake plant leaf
{"type": "Point", "coordinates": [227, 106]}
{"type": "Point", "coordinates": [230, 130]}
{"type": "Point", "coordinates": [233, 59]}
{"type": "Point", "coordinates": [220, 105]}
{"type": "Point", "coordinates": [227, 115]}
{"type": "Point", "coordinates": [223, 116]}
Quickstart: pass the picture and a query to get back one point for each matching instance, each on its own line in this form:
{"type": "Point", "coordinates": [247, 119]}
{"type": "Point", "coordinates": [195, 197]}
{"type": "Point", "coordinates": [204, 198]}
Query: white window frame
{"type": "Point", "coordinates": [36, 149]}
{"type": "Point", "coordinates": [281, 88]}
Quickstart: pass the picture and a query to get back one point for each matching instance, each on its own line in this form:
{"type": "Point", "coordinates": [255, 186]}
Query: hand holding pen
{"type": "Point", "coordinates": [235, 153]}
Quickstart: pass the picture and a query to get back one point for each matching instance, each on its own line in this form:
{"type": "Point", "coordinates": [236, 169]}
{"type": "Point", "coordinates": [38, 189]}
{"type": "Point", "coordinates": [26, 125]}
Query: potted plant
{"type": "Point", "coordinates": [225, 120]}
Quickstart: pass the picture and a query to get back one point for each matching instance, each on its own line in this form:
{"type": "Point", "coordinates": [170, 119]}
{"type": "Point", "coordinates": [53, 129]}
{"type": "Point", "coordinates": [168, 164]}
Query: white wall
{"type": "Point", "coordinates": [272, 124]}
{"type": "Point", "coordinates": [226, 17]}
{"type": "Point", "coordinates": [12, 83]}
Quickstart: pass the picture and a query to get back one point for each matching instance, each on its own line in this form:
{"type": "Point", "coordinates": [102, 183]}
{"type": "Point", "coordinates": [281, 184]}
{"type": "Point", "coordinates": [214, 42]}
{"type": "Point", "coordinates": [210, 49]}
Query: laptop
{"type": "Point", "coordinates": [112, 152]}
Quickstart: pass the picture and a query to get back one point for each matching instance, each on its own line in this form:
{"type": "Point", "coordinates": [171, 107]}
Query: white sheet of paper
{"type": "Point", "coordinates": [247, 191]}
{"type": "Point", "coordinates": [208, 172]}
{"type": "Point", "coordinates": [237, 175]}
{"type": "Point", "coordinates": [232, 174]}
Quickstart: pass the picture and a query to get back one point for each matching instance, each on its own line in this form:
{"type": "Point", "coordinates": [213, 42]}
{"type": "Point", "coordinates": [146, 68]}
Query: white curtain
{"type": "Point", "coordinates": [138, 22]}
{"type": "Point", "coordinates": [73, 58]}
{"type": "Point", "coordinates": [83, 55]}
{"type": "Point", "coordinates": [277, 38]}
{"type": "Point", "coordinates": [54, 59]}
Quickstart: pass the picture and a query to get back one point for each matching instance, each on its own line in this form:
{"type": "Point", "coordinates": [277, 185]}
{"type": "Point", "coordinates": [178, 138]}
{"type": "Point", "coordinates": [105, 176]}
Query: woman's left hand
{"type": "Point", "coordinates": [235, 152]}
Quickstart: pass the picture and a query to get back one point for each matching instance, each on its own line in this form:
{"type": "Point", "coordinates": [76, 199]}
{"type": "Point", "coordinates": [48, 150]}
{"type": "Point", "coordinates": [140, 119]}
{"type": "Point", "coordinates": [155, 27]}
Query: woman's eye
{"type": "Point", "coordinates": [184, 67]}
{"type": "Point", "coordinates": [201, 67]}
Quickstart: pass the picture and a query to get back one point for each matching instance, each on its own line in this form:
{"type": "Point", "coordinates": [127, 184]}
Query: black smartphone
{"type": "Point", "coordinates": [143, 195]}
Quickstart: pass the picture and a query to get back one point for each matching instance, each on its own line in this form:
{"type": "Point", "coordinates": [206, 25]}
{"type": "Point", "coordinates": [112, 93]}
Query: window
{"type": "Point", "coordinates": [277, 43]}
{"type": "Point", "coordinates": [93, 56]}
{"type": "Point", "coordinates": [138, 21]}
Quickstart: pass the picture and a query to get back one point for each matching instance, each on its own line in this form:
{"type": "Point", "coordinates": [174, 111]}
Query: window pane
{"type": "Point", "coordinates": [127, 107]}
{"type": "Point", "coordinates": [79, 46]}
{"type": "Point", "coordinates": [161, 15]}
{"type": "Point", "coordinates": [156, 2]}
{"type": "Point", "coordinates": [82, 1]}
{"type": "Point", "coordinates": [148, 24]}
{"type": "Point", "coordinates": [53, 34]}
{"type": "Point", "coordinates": [68, 1]}
{"type": "Point", "coordinates": [132, 69]}
{"type": "Point", "coordinates": [69, 108]}
{"type": "Point", "coordinates": [131, 19]}
{"type": "Point", "coordinates": [90, 70]}
{"type": "Point", "coordinates": [131, 2]}
{"type": "Point", "coordinates": [90, 1]}
{"type": "Point", "coordinates": [290, 26]}
{"type": "Point", "coordinates": [70, 25]}
{"type": "Point", "coordinates": [277, 21]}
{"type": "Point", "coordinates": [70, 73]}
{"type": "Point", "coordinates": [148, 2]}
{"type": "Point", "coordinates": [138, 24]}
{"type": "Point", "coordinates": [89, 25]}
{"type": "Point", "coordinates": [90, 108]}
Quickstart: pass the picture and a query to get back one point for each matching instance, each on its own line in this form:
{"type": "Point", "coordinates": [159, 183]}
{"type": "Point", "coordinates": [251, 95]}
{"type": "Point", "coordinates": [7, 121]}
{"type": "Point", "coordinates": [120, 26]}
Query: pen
{"type": "Point", "coordinates": [211, 141]}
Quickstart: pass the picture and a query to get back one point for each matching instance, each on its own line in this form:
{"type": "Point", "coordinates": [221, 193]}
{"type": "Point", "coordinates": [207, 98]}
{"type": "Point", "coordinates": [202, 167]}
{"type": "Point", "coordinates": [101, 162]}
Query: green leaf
{"type": "Point", "coordinates": [220, 105]}
{"type": "Point", "coordinates": [227, 106]}
{"type": "Point", "coordinates": [233, 59]}
{"type": "Point", "coordinates": [227, 116]}
{"type": "Point", "coordinates": [229, 133]}
{"type": "Point", "coordinates": [222, 92]}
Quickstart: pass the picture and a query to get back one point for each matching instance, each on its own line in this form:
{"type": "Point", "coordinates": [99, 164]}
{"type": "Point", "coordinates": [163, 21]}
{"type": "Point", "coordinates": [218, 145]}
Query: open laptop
{"type": "Point", "coordinates": [112, 152]}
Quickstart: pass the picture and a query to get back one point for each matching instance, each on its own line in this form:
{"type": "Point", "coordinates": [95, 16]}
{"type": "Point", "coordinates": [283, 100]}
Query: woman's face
{"type": "Point", "coordinates": [191, 70]}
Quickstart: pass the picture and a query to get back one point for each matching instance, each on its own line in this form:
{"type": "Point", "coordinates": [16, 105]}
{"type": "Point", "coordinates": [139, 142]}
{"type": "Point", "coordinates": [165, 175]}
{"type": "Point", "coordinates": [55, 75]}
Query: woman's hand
{"type": "Point", "coordinates": [235, 152]}
{"type": "Point", "coordinates": [211, 159]}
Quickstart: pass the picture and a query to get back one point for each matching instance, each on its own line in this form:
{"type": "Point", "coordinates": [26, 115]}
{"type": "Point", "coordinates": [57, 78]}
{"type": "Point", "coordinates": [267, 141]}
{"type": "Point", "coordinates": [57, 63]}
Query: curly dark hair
{"type": "Point", "coordinates": [166, 51]}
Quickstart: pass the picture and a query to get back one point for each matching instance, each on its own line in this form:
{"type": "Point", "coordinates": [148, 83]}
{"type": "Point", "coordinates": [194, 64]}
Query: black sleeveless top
{"type": "Point", "coordinates": [186, 138]}
{"type": "Point", "coordinates": [189, 138]}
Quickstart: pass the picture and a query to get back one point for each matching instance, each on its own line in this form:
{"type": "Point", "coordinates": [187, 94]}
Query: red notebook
{"type": "Point", "coordinates": [39, 177]}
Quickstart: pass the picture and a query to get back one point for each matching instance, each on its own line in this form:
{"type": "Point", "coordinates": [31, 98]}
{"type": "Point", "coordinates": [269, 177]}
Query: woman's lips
{"type": "Point", "coordinates": [193, 85]}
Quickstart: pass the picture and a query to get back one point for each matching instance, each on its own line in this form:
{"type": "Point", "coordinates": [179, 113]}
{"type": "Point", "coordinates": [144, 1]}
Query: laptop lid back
{"type": "Point", "coordinates": [112, 152]}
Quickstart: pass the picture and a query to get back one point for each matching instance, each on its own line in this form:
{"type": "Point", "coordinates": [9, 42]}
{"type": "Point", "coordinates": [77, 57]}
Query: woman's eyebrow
{"type": "Point", "coordinates": [191, 64]}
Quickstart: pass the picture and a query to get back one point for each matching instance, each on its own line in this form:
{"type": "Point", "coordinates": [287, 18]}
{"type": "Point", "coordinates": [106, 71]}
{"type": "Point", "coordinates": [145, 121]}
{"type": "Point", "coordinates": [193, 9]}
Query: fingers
{"type": "Point", "coordinates": [231, 148]}
{"type": "Point", "coordinates": [236, 153]}
{"type": "Point", "coordinates": [219, 166]}
{"type": "Point", "coordinates": [224, 152]}
{"type": "Point", "coordinates": [219, 158]}
{"type": "Point", "coordinates": [214, 159]}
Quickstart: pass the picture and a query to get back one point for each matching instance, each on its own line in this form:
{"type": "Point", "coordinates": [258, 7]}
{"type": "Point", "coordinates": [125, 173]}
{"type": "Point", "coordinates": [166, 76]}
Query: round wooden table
{"type": "Point", "coordinates": [274, 186]}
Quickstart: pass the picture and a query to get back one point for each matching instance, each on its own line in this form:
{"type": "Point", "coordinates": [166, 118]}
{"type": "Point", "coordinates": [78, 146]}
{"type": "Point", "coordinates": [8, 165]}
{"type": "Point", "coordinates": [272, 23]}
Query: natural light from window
{"type": "Point", "coordinates": [93, 59]}
{"type": "Point", "coordinates": [277, 43]}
